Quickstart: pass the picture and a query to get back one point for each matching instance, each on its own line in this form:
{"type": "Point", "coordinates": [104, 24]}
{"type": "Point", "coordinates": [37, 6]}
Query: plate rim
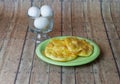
{"type": "Point", "coordinates": [73, 63]}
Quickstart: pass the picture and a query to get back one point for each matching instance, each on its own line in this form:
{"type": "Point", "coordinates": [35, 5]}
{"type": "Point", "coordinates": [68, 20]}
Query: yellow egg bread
{"type": "Point", "coordinates": [67, 49]}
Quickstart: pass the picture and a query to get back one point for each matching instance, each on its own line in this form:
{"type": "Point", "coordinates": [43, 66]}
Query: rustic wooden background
{"type": "Point", "coordinates": [98, 20]}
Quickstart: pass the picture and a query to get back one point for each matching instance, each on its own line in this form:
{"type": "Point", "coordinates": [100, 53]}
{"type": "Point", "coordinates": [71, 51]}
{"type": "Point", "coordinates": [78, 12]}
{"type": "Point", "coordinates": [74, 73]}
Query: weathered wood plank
{"type": "Point", "coordinates": [94, 19]}
{"type": "Point", "coordinates": [55, 71]}
{"type": "Point", "coordinates": [115, 15]}
{"type": "Point", "coordinates": [4, 27]}
{"type": "Point", "coordinates": [4, 32]}
{"type": "Point", "coordinates": [11, 56]}
{"type": "Point", "coordinates": [19, 25]}
{"type": "Point", "coordinates": [116, 49]}
{"type": "Point", "coordinates": [25, 67]}
{"type": "Point", "coordinates": [4, 56]}
{"type": "Point", "coordinates": [56, 6]}
{"type": "Point", "coordinates": [10, 60]}
{"type": "Point", "coordinates": [8, 8]}
{"type": "Point", "coordinates": [83, 73]}
{"type": "Point", "coordinates": [105, 65]}
{"type": "Point", "coordinates": [78, 22]}
{"type": "Point", "coordinates": [93, 26]}
{"type": "Point", "coordinates": [40, 72]}
{"type": "Point", "coordinates": [12, 47]}
{"type": "Point", "coordinates": [66, 17]}
{"type": "Point", "coordinates": [5, 19]}
{"type": "Point", "coordinates": [112, 34]}
{"type": "Point", "coordinates": [3, 47]}
{"type": "Point", "coordinates": [40, 69]}
{"type": "Point", "coordinates": [37, 3]}
{"type": "Point", "coordinates": [54, 74]}
{"type": "Point", "coordinates": [1, 9]}
{"type": "Point", "coordinates": [106, 60]}
{"type": "Point", "coordinates": [46, 71]}
{"type": "Point", "coordinates": [68, 75]}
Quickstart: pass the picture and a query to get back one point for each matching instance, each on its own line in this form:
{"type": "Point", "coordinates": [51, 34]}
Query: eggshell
{"type": "Point", "coordinates": [41, 23]}
{"type": "Point", "coordinates": [46, 11]}
{"type": "Point", "coordinates": [34, 12]}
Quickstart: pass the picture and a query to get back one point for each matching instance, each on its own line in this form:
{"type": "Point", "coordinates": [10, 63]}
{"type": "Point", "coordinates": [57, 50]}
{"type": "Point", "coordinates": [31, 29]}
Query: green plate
{"type": "Point", "coordinates": [75, 62]}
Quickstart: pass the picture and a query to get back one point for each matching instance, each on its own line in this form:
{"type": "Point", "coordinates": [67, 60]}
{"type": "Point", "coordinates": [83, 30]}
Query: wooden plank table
{"type": "Point", "coordinates": [98, 20]}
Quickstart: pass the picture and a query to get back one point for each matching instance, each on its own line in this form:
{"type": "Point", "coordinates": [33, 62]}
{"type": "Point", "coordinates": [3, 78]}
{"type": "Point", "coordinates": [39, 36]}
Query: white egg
{"type": "Point", "coordinates": [34, 12]}
{"type": "Point", "coordinates": [41, 23]}
{"type": "Point", "coordinates": [46, 11]}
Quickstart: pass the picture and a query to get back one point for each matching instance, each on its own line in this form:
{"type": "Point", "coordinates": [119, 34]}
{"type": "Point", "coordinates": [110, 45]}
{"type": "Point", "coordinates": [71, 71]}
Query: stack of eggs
{"type": "Point", "coordinates": [41, 16]}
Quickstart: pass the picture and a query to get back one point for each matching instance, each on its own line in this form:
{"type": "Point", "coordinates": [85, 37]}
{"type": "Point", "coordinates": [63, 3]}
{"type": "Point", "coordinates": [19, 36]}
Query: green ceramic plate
{"type": "Point", "coordinates": [75, 62]}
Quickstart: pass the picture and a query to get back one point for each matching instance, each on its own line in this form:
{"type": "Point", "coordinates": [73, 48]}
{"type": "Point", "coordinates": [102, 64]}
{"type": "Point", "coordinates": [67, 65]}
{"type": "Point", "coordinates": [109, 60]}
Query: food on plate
{"type": "Point", "coordinates": [67, 49]}
{"type": "Point", "coordinates": [73, 44]}
{"type": "Point", "coordinates": [86, 50]}
{"type": "Point", "coordinates": [57, 50]}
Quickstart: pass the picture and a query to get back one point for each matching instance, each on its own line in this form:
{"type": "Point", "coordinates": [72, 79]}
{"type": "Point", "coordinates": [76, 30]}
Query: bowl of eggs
{"type": "Point", "coordinates": [41, 21]}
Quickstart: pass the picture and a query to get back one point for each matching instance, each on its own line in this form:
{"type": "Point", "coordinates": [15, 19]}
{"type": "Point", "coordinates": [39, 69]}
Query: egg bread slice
{"type": "Point", "coordinates": [73, 44]}
{"type": "Point", "coordinates": [68, 48]}
{"type": "Point", "coordinates": [87, 49]}
{"type": "Point", "coordinates": [57, 50]}
{"type": "Point", "coordinates": [79, 46]}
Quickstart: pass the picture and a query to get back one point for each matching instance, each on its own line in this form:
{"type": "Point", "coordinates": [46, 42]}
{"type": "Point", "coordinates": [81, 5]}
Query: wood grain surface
{"type": "Point", "coordinates": [98, 20]}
